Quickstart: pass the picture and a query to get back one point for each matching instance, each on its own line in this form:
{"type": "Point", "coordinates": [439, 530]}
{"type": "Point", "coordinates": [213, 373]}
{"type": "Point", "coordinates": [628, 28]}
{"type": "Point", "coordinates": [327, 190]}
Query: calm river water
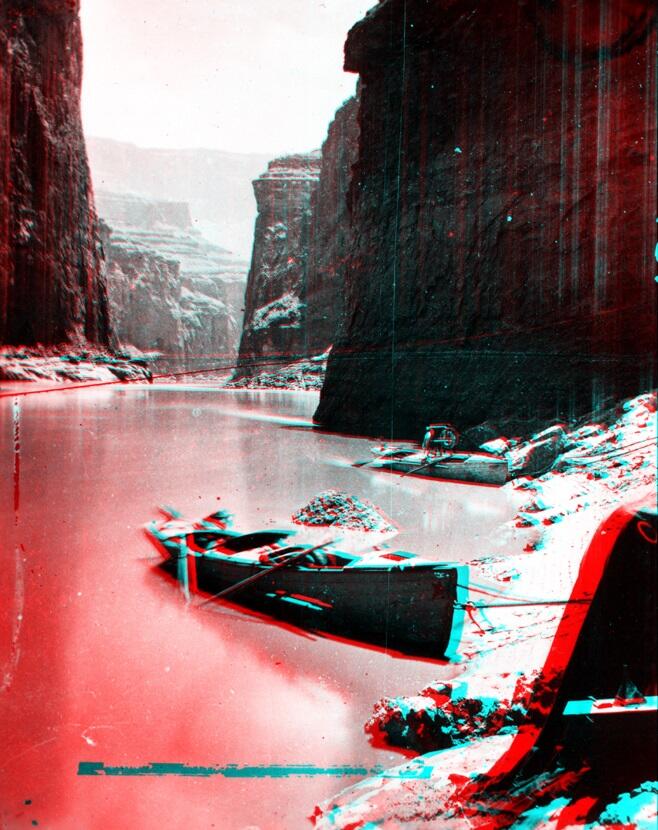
{"type": "Point", "coordinates": [102, 661]}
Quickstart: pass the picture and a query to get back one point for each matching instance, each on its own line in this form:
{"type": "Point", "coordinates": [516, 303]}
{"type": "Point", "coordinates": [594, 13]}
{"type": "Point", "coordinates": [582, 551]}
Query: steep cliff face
{"type": "Point", "coordinates": [504, 211]}
{"type": "Point", "coordinates": [331, 232]}
{"type": "Point", "coordinates": [51, 284]}
{"type": "Point", "coordinates": [276, 286]}
{"type": "Point", "coordinates": [170, 289]}
{"type": "Point", "coordinates": [302, 237]}
{"type": "Point", "coordinates": [144, 293]}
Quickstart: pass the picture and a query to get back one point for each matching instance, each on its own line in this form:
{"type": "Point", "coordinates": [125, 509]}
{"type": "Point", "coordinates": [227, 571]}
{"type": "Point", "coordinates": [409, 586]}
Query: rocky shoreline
{"type": "Point", "coordinates": [66, 365]}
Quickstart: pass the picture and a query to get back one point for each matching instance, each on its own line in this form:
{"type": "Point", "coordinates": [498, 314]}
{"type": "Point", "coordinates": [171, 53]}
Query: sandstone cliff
{"type": "Point", "coordinates": [301, 241]}
{"type": "Point", "coordinates": [170, 289]}
{"type": "Point", "coordinates": [51, 284]}
{"type": "Point", "coordinates": [503, 203]}
{"type": "Point", "coordinates": [275, 301]}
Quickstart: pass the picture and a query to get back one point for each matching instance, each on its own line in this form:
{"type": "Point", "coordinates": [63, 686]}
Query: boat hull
{"type": "Point", "coordinates": [401, 605]}
{"type": "Point", "coordinates": [476, 468]}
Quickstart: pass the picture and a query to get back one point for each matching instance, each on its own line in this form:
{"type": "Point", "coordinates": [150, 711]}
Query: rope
{"type": "Point", "coordinates": [474, 606]}
{"type": "Point", "coordinates": [517, 601]}
{"type": "Point", "coordinates": [612, 453]}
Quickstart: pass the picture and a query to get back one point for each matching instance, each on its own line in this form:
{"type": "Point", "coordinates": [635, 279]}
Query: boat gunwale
{"type": "Point", "coordinates": [411, 562]}
{"type": "Point", "coordinates": [359, 565]}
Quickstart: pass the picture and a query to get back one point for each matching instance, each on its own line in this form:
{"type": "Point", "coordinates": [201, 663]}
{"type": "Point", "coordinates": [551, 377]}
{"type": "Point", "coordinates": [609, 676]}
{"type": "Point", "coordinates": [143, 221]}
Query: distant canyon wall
{"type": "Point", "coordinates": [170, 289]}
{"type": "Point", "coordinates": [503, 207]}
{"type": "Point", "coordinates": [52, 288]}
{"type": "Point", "coordinates": [294, 300]}
{"type": "Point", "coordinates": [216, 184]}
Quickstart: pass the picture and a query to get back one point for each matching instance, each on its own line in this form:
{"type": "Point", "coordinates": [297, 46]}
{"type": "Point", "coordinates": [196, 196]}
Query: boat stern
{"type": "Point", "coordinates": [168, 536]}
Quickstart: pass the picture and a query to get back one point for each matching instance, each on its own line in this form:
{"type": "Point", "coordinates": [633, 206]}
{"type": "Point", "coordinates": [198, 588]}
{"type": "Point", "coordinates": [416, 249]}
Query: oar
{"type": "Point", "coordinates": [372, 460]}
{"type": "Point", "coordinates": [422, 466]}
{"type": "Point", "coordinates": [182, 573]}
{"type": "Point", "coordinates": [170, 512]}
{"type": "Point", "coordinates": [255, 577]}
{"type": "Point", "coordinates": [186, 571]}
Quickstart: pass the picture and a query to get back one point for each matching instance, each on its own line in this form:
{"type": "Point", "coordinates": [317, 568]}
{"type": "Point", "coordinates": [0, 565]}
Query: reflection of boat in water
{"type": "Point", "coordinates": [388, 596]}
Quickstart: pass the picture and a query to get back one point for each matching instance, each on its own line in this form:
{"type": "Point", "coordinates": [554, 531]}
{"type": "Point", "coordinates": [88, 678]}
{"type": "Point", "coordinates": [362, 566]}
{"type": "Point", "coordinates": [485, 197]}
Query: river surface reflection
{"type": "Point", "coordinates": [101, 659]}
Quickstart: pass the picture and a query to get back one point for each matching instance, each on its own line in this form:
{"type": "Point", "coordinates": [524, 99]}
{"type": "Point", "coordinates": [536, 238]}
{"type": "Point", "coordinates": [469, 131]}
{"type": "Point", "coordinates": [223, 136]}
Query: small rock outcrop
{"type": "Point", "coordinates": [170, 289]}
{"type": "Point", "coordinates": [52, 288]}
{"type": "Point", "coordinates": [503, 208]}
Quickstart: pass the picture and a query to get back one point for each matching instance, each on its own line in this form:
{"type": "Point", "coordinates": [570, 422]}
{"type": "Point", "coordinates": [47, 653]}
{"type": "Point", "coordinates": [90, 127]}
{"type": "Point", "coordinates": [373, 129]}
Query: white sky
{"type": "Point", "coordinates": [240, 75]}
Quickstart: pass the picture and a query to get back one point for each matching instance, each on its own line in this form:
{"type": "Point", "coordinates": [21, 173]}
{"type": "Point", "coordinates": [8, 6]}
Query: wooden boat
{"type": "Point", "coordinates": [383, 596]}
{"type": "Point", "coordinates": [478, 467]}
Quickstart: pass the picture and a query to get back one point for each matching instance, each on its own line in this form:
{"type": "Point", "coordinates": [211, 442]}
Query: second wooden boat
{"type": "Point", "coordinates": [477, 467]}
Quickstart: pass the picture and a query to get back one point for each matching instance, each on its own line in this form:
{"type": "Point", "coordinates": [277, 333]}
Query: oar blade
{"type": "Point", "coordinates": [182, 573]}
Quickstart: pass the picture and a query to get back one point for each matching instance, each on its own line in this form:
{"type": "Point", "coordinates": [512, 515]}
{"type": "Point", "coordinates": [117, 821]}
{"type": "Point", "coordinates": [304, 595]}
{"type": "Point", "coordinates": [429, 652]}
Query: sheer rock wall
{"type": "Point", "coordinates": [331, 232]}
{"type": "Point", "coordinates": [52, 288]}
{"type": "Point", "coordinates": [503, 208]}
{"type": "Point", "coordinates": [273, 329]}
{"type": "Point", "coordinates": [294, 303]}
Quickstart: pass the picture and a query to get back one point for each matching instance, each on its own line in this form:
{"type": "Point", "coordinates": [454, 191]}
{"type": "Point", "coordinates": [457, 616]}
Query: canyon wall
{"type": "Point", "coordinates": [331, 232]}
{"type": "Point", "coordinates": [503, 205]}
{"type": "Point", "coordinates": [294, 302]}
{"type": "Point", "coordinates": [216, 184]}
{"type": "Point", "coordinates": [170, 289]}
{"type": "Point", "coordinates": [52, 288]}
{"type": "Point", "coordinates": [275, 300]}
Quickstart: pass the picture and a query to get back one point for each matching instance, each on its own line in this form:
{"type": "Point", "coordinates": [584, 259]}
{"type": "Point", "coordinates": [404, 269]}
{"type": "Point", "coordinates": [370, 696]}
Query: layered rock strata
{"type": "Point", "coordinates": [52, 288]}
{"type": "Point", "coordinates": [170, 289]}
{"type": "Point", "coordinates": [503, 203]}
{"type": "Point", "coordinates": [215, 184]}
